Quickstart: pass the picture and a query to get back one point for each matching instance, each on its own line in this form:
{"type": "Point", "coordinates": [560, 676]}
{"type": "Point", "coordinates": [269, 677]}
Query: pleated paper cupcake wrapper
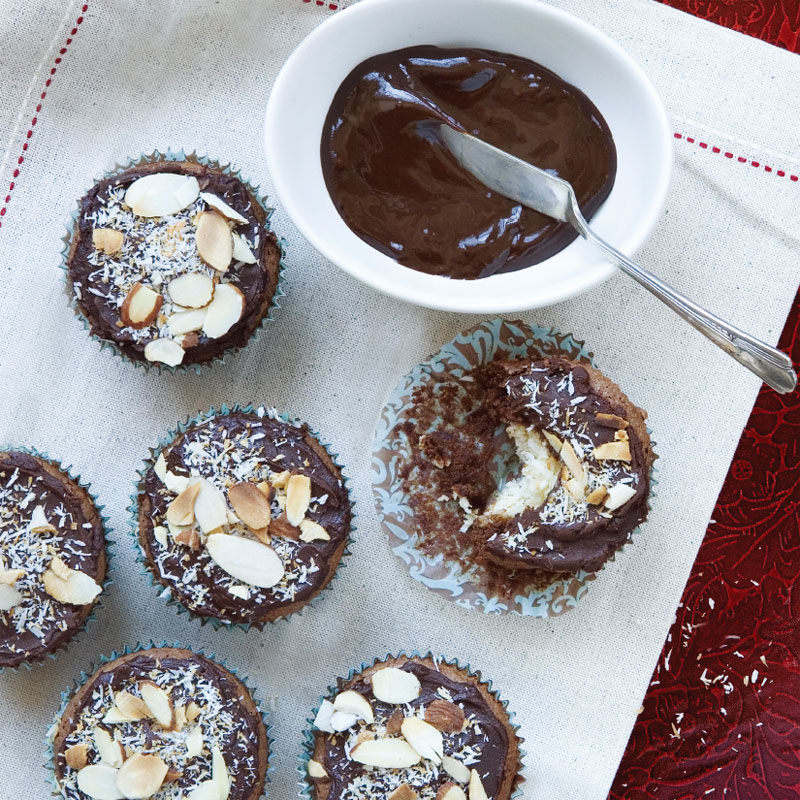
{"type": "Point", "coordinates": [307, 750]}
{"type": "Point", "coordinates": [165, 592]}
{"type": "Point", "coordinates": [491, 340]}
{"type": "Point", "coordinates": [202, 160]}
{"type": "Point", "coordinates": [109, 548]}
{"type": "Point", "coordinates": [67, 694]}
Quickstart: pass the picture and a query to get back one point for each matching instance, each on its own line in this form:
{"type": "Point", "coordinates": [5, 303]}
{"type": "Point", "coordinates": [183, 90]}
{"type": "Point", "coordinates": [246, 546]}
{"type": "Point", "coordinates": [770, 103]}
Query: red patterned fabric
{"type": "Point", "coordinates": [774, 21]}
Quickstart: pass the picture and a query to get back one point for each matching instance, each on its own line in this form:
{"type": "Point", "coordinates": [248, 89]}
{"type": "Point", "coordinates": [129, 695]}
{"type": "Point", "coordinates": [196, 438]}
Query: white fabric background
{"type": "Point", "coordinates": [196, 75]}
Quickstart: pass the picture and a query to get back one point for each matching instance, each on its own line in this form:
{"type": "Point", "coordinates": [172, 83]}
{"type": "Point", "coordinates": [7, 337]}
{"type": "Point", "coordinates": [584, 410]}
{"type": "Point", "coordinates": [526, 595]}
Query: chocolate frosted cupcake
{"type": "Point", "coordinates": [584, 477]}
{"type": "Point", "coordinates": [172, 261]}
{"type": "Point", "coordinates": [243, 516]}
{"type": "Point", "coordinates": [413, 728]}
{"type": "Point", "coordinates": [53, 558]}
{"type": "Point", "coordinates": [164, 723]}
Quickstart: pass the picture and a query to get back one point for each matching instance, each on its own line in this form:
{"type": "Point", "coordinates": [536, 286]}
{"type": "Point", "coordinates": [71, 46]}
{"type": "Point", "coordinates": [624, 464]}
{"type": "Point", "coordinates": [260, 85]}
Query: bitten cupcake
{"type": "Point", "coordinates": [413, 728]}
{"type": "Point", "coordinates": [172, 261]}
{"type": "Point", "coordinates": [243, 516]}
{"type": "Point", "coordinates": [164, 723]}
{"type": "Point", "coordinates": [52, 557]}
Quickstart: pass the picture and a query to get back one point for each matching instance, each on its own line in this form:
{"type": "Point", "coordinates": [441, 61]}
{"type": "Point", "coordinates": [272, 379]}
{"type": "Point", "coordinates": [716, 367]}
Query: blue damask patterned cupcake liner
{"type": "Point", "coordinates": [307, 749]}
{"type": "Point", "coordinates": [85, 675]}
{"type": "Point", "coordinates": [165, 592]}
{"type": "Point", "coordinates": [491, 340]}
{"type": "Point", "coordinates": [109, 551]}
{"type": "Point", "coordinates": [193, 158]}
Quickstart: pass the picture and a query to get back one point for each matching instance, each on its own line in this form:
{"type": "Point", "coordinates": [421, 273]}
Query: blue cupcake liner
{"type": "Point", "coordinates": [226, 169]}
{"type": "Point", "coordinates": [308, 734]}
{"type": "Point", "coordinates": [488, 341]}
{"type": "Point", "coordinates": [66, 695]}
{"type": "Point", "coordinates": [165, 592]}
{"type": "Point", "coordinates": [109, 549]}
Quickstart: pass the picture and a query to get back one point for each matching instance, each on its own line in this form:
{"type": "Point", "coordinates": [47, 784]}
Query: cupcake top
{"type": "Point", "coordinates": [584, 453]}
{"type": "Point", "coordinates": [52, 557]}
{"type": "Point", "coordinates": [243, 516]}
{"type": "Point", "coordinates": [164, 723]}
{"type": "Point", "coordinates": [172, 262]}
{"type": "Point", "coordinates": [411, 728]}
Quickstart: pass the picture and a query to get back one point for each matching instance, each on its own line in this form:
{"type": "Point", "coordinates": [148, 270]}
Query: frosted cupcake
{"type": "Point", "coordinates": [172, 262]}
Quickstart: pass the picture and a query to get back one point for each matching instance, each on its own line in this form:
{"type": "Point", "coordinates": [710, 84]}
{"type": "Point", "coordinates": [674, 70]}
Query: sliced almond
{"type": "Point", "coordinates": [322, 721]}
{"type": "Point", "coordinates": [210, 508]}
{"type": "Point", "coordinates": [133, 707]}
{"type": "Point", "coordinates": [9, 597]}
{"type": "Point", "coordinates": [395, 686]}
{"type": "Point", "coordinates": [445, 716]}
{"type": "Point", "coordinates": [455, 769]}
{"type": "Point", "coordinates": [316, 770]}
{"type": "Point", "coordinates": [107, 240]}
{"type": "Point", "coordinates": [621, 436]}
{"type": "Point", "coordinates": [576, 489]}
{"type": "Point", "coordinates": [183, 322]}
{"type": "Point", "coordinates": [613, 451]}
{"type": "Point", "coordinates": [241, 250]}
{"type": "Point", "coordinates": [194, 742]}
{"type": "Point", "coordinates": [395, 722]}
{"type": "Point", "coordinates": [265, 488]}
{"type": "Point", "coordinates": [403, 792]}
{"type": "Point", "coordinates": [219, 773]}
{"type": "Point", "coordinates": [351, 702]}
{"type": "Point", "coordinates": [618, 495]}
{"type": "Point", "coordinates": [246, 560]}
{"type": "Point", "coordinates": [555, 442]}
{"type": "Point", "coordinates": [424, 738]}
{"type": "Point", "coordinates": [158, 702]}
{"type": "Point", "coordinates": [175, 483]}
{"type": "Point", "coordinates": [39, 522]}
{"type": "Point", "coordinates": [224, 311]}
{"type": "Point", "coordinates": [190, 538]}
{"type": "Point", "coordinates": [214, 242]}
{"type": "Point", "coordinates": [181, 510]}
{"type": "Point", "coordinates": [77, 588]}
{"type": "Point", "coordinates": [161, 194]}
{"type": "Point", "coordinates": [611, 421]}
{"type": "Point", "coordinates": [298, 498]}
{"type": "Point", "coordinates": [280, 479]}
{"type": "Point", "coordinates": [476, 790]}
{"type": "Point", "coordinates": [192, 711]}
{"type": "Point", "coordinates": [387, 753]}
{"type": "Point", "coordinates": [596, 496]}
{"type": "Point", "coordinates": [342, 720]}
{"type": "Point", "coordinates": [77, 755]}
{"type": "Point", "coordinates": [140, 306]}
{"type": "Point", "coordinates": [192, 290]}
{"type": "Point", "coordinates": [179, 720]}
{"type": "Point", "coordinates": [570, 458]}
{"type": "Point", "coordinates": [207, 790]}
{"type": "Point", "coordinates": [164, 351]}
{"type": "Point", "coordinates": [450, 791]}
{"type": "Point", "coordinates": [280, 527]}
{"type": "Point", "coordinates": [311, 531]}
{"type": "Point", "coordinates": [109, 750]}
{"type": "Point", "coordinates": [59, 568]}
{"type": "Point", "coordinates": [160, 535]}
{"type": "Point", "coordinates": [220, 205]}
{"type": "Point", "coordinates": [99, 781]}
{"type": "Point", "coordinates": [141, 776]}
{"type": "Point", "coordinates": [250, 505]}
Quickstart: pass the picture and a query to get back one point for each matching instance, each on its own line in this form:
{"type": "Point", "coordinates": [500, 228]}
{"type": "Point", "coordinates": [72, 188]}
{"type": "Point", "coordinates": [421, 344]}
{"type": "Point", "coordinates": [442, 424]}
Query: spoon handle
{"type": "Point", "coordinates": [770, 364]}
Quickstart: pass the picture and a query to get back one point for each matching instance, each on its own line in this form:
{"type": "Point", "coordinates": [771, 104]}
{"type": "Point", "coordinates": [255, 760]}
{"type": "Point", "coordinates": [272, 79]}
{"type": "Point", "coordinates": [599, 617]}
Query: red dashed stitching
{"type": "Point", "coordinates": [780, 173]}
{"type": "Point", "coordinates": [35, 117]}
{"type": "Point", "coordinates": [329, 6]}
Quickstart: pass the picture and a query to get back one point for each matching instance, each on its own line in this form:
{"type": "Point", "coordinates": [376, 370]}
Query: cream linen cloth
{"type": "Point", "coordinates": [149, 74]}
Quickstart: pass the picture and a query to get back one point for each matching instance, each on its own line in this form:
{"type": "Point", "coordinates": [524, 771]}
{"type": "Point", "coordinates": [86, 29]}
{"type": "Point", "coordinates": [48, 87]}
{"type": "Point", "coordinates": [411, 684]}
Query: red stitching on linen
{"type": "Point", "coordinates": [35, 117]}
{"type": "Point", "coordinates": [780, 173]}
{"type": "Point", "coordinates": [330, 6]}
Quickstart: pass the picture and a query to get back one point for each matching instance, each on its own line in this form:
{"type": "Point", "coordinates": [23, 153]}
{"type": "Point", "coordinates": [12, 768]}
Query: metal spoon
{"type": "Point", "coordinates": [533, 187]}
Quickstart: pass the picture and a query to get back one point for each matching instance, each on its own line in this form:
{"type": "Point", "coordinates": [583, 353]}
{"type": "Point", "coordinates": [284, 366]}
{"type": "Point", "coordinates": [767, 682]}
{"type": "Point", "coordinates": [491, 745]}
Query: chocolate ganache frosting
{"type": "Point", "coordinates": [474, 726]}
{"type": "Point", "coordinates": [399, 189]}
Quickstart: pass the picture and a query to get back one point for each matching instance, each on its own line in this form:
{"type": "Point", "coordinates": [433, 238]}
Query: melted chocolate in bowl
{"type": "Point", "coordinates": [400, 190]}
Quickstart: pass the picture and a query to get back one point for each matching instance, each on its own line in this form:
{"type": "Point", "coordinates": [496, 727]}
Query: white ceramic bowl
{"type": "Point", "coordinates": [571, 48]}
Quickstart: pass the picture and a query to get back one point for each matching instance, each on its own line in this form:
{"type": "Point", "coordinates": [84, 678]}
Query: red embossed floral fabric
{"type": "Point", "coordinates": [721, 717]}
{"type": "Point", "coordinates": [774, 21]}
